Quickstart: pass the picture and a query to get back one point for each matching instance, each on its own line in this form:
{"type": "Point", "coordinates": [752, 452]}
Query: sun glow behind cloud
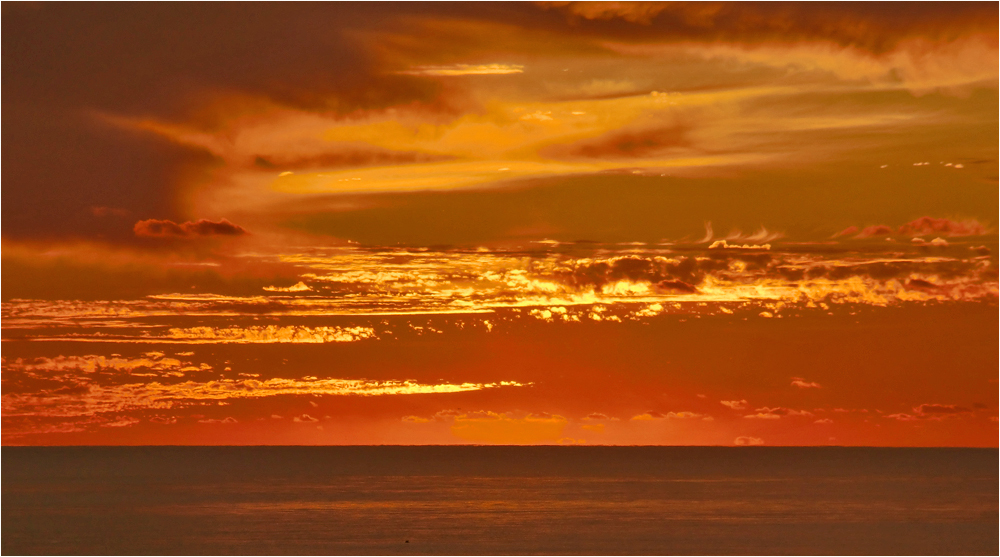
{"type": "Point", "coordinates": [498, 214]}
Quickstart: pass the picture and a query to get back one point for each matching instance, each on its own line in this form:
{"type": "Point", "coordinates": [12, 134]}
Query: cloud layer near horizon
{"type": "Point", "coordinates": [557, 222]}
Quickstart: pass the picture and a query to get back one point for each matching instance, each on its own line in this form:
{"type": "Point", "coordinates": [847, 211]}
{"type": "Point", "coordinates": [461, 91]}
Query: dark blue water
{"type": "Point", "coordinates": [499, 500]}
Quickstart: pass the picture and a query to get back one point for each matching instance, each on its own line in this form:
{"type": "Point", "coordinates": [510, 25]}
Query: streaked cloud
{"type": "Point", "coordinates": [152, 364]}
{"type": "Point", "coordinates": [803, 384]}
{"type": "Point", "coordinates": [555, 284]}
{"type": "Point", "coordinates": [267, 334]}
{"type": "Point", "coordinates": [767, 413]}
{"type": "Point", "coordinates": [651, 415]}
{"type": "Point", "coordinates": [85, 398]}
{"type": "Point", "coordinates": [465, 69]}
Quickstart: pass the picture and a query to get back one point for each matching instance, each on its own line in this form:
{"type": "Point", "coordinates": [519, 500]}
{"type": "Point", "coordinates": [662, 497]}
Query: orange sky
{"type": "Point", "coordinates": [600, 223]}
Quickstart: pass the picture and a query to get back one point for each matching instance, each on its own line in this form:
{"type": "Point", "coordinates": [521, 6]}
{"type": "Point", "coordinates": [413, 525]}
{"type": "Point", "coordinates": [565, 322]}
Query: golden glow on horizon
{"type": "Point", "coordinates": [507, 216]}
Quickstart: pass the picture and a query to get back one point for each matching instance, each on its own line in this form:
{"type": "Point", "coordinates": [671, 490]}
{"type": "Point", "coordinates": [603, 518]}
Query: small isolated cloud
{"type": "Point", "coordinates": [823, 421]}
{"type": "Point", "coordinates": [465, 69]}
{"type": "Point", "coordinates": [446, 415]}
{"type": "Point", "coordinates": [803, 384]}
{"type": "Point", "coordinates": [153, 228]}
{"type": "Point", "coordinates": [734, 404]}
{"type": "Point", "coordinates": [708, 233]}
{"type": "Point", "coordinates": [415, 420]}
{"type": "Point", "coordinates": [124, 421]}
{"type": "Point", "coordinates": [763, 416]}
{"type": "Point", "coordinates": [305, 418]}
{"type": "Point", "coordinates": [163, 420]}
{"type": "Point", "coordinates": [940, 410]}
{"type": "Point", "coordinates": [775, 413]}
{"type": "Point", "coordinates": [745, 441]}
{"type": "Point", "coordinates": [297, 287]}
{"type": "Point", "coordinates": [903, 417]}
{"type": "Point", "coordinates": [596, 416]}
{"type": "Point", "coordinates": [229, 420]}
{"type": "Point", "coordinates": [647, 416]}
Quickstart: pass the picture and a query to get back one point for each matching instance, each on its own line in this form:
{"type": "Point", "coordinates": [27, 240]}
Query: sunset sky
{"type": "Point", "coordinates": [554, 222]}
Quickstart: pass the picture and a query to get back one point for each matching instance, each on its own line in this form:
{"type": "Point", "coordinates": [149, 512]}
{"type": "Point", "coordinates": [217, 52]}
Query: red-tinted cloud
{"type": "Point", "coordinates": [876, 230]}
{"type": "Point", "coordinates": [847, 231]}
{"type": "Point", "coordinates": [920, 227]}
{"type": "Point", "coordinates": [946, 227]}
{"type": "Point", "coordinates": [153, 228]}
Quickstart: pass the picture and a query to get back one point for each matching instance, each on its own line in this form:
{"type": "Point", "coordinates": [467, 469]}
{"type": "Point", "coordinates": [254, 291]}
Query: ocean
{"type": "Point", "coordinates": [447, 500]}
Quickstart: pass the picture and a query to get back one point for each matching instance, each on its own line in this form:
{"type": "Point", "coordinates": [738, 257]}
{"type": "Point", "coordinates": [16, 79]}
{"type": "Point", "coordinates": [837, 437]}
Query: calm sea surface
{"type": "Point", "coordinates": [499, 500]}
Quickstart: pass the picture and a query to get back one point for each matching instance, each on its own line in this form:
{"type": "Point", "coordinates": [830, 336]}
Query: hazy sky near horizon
{"type": "Point", "coordinates": [554, 222]}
